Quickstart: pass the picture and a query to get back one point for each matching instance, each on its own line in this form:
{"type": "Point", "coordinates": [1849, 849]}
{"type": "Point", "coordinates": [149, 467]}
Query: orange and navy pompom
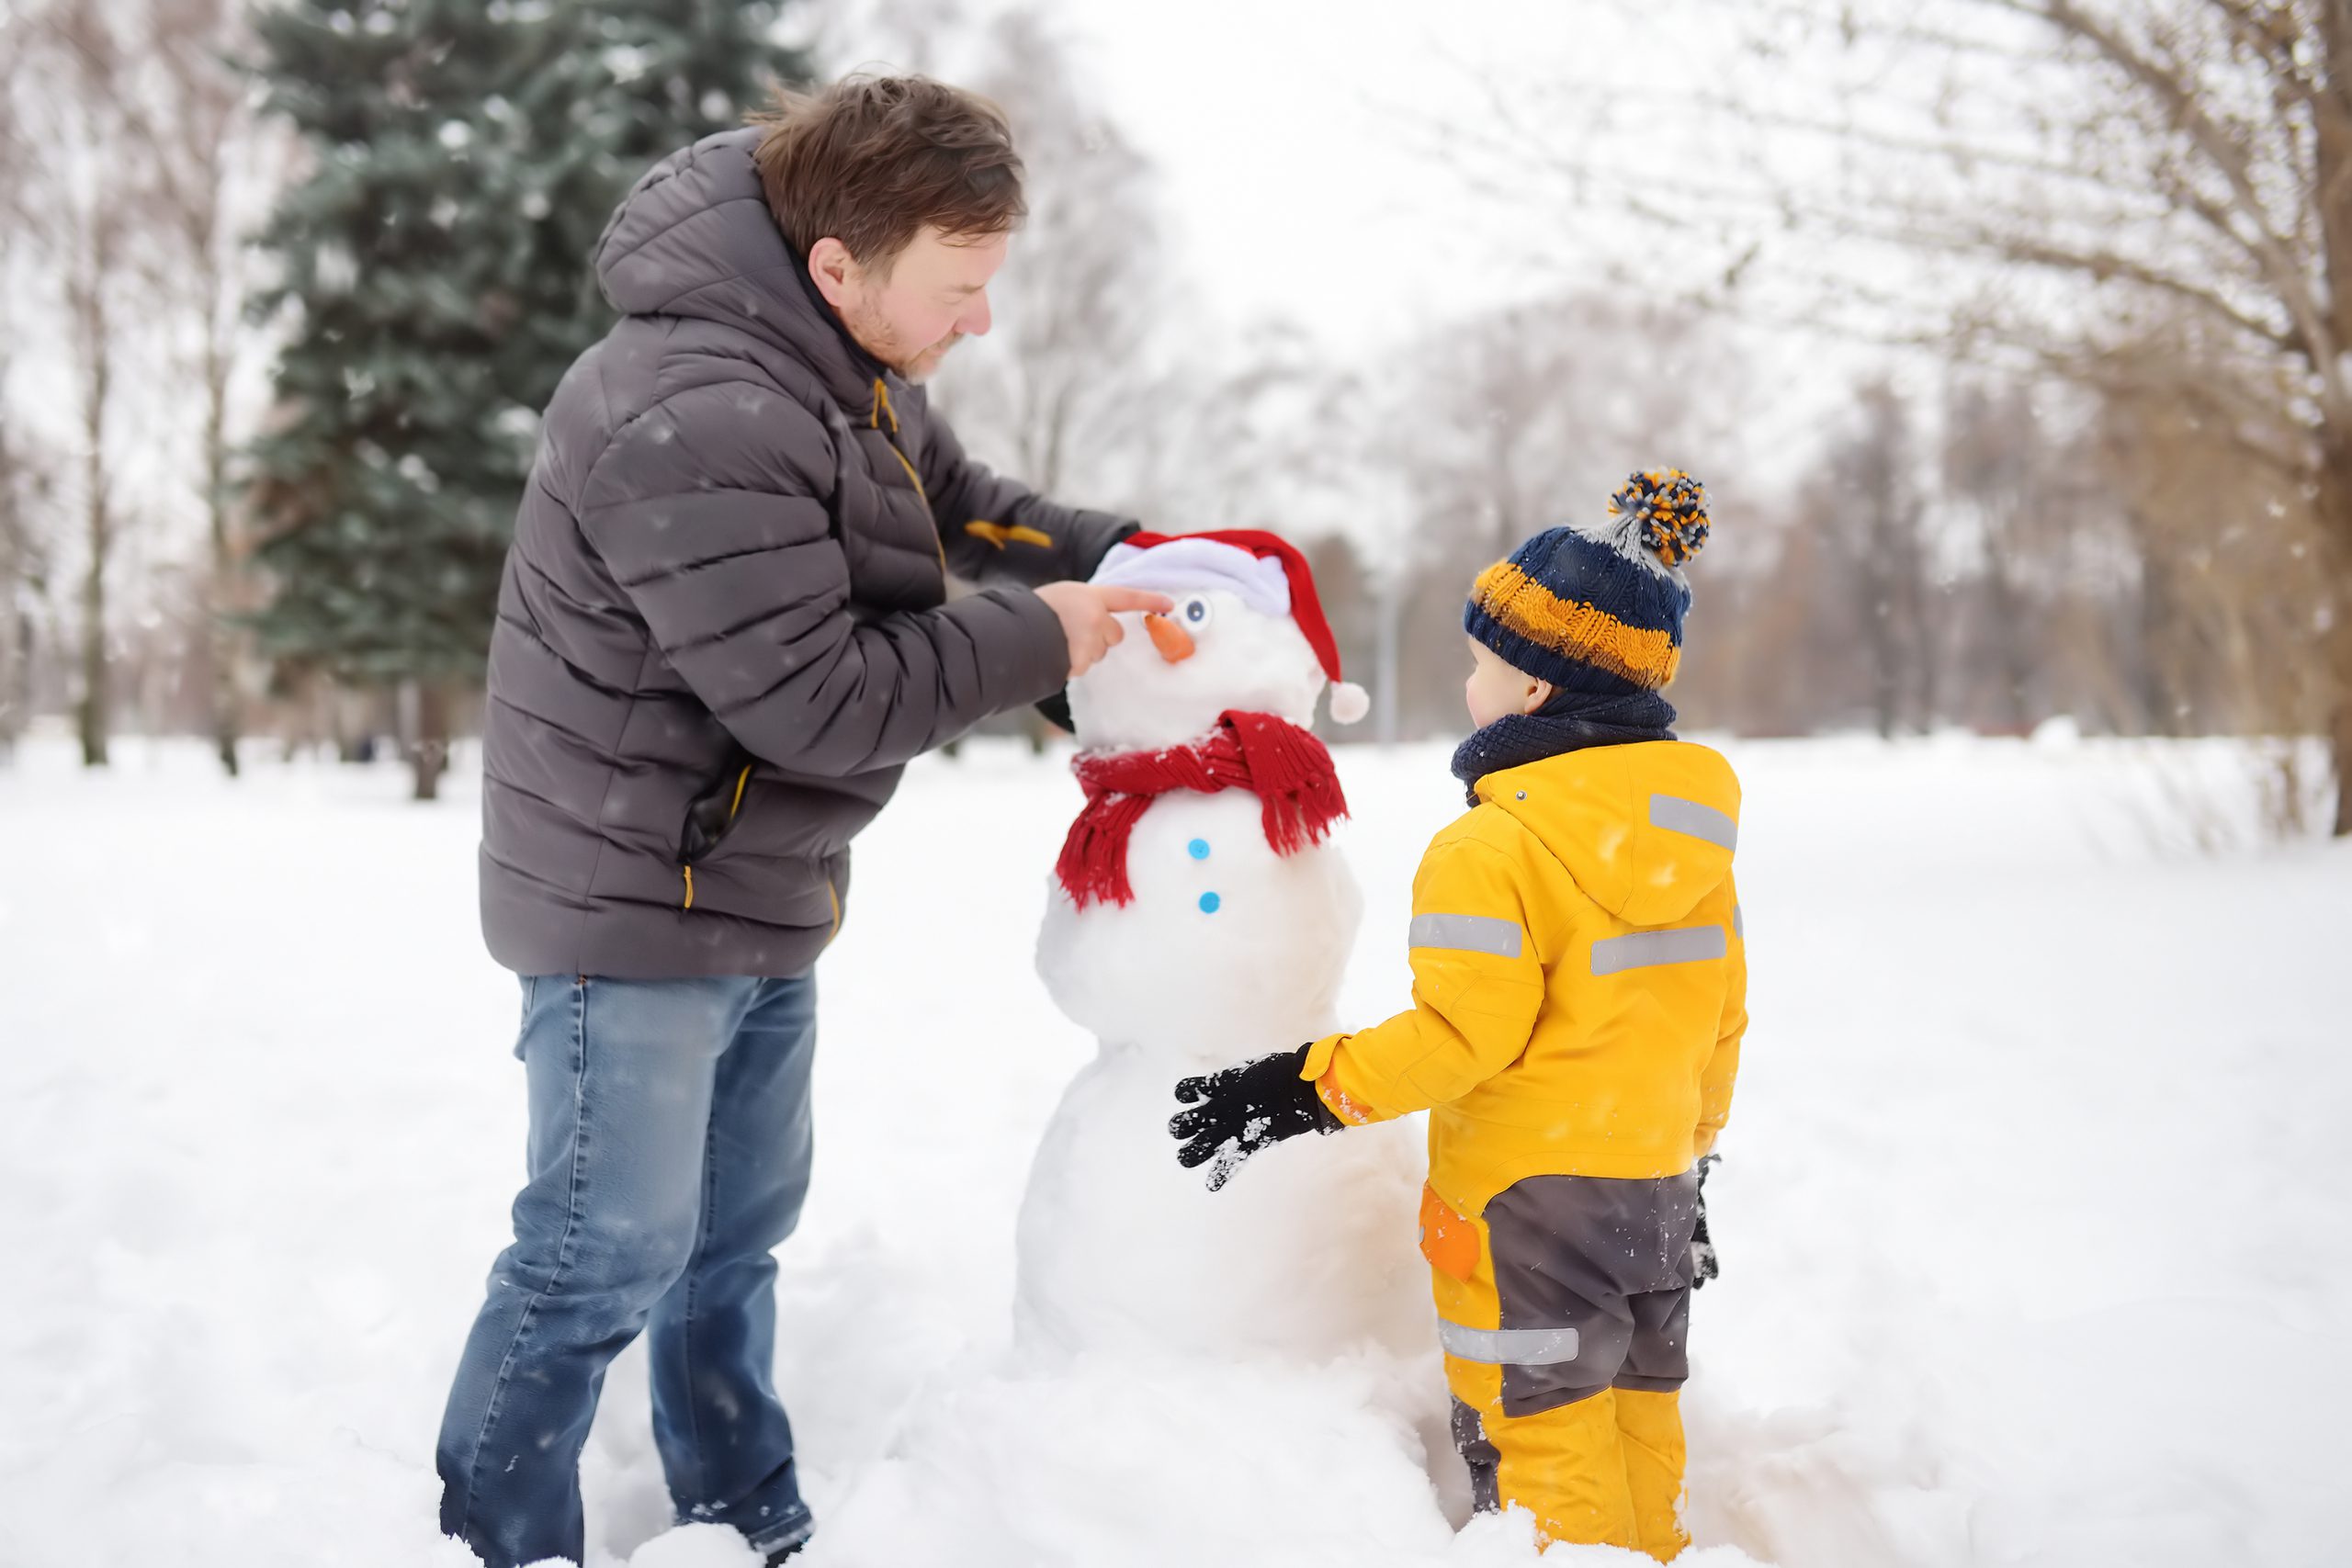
{"type": "Point", "coordinates": [1670, 508]}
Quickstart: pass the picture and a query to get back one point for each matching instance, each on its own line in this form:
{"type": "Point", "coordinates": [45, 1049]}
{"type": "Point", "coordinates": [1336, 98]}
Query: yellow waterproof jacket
{"type": "Point", "coordinates": [1579, 977]}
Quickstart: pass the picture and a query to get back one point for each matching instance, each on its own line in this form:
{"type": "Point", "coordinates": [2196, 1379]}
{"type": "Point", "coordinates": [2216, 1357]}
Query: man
{"type": "Point", "coordinates": [724, 629]}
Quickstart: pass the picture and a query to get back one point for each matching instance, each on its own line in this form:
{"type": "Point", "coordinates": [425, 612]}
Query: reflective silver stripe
{"type": "Point", "coordinates": [1471, 933]}
{"type": "Point", "coordinates": [1738, 926]}
{"type": "Point", "coordinates": [1643, 949]}
{"type": "Point", "coordinates": [1677, 815]}
{"type": "Point", "coordinates": [1508, 1347]}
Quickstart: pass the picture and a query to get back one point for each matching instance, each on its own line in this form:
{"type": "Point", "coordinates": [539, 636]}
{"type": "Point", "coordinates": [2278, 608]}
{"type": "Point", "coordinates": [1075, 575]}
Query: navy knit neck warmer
{"type": "Point", "coordinates": [1570, 722]}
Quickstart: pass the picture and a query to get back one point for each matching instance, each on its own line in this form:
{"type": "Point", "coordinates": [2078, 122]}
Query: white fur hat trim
{"type": "Point", "coordinates": [1192, 566]}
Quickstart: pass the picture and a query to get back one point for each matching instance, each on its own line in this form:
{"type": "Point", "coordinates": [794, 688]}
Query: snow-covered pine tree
{"type": "Point", "coordinates": [435, 265]}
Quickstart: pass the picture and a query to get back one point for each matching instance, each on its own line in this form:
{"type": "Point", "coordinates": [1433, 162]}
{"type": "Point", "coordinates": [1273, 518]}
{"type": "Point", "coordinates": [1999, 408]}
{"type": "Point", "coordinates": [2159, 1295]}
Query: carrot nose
{"type": "Point", "coordinates": [1175, 644]}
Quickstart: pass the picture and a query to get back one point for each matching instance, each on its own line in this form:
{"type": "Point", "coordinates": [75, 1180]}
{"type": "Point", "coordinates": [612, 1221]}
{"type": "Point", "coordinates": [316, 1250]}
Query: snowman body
{"type": "Point", "coordinates": [1228, 949]}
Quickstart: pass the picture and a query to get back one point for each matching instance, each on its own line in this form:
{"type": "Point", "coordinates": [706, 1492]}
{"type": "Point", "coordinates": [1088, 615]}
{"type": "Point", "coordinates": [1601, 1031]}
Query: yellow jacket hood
{"type": "Point", "coordinates": [1648, 831]}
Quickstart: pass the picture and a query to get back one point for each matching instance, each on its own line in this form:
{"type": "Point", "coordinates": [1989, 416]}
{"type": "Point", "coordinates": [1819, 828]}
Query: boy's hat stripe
{"type": "Point", "coordinates": [1586, 633]}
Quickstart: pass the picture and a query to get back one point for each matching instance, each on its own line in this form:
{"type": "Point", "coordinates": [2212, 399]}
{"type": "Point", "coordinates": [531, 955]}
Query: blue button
{"type": "Point", "coordinates": [1198, 849]}
{"type": "Point", "coordinates": [1209, 902]}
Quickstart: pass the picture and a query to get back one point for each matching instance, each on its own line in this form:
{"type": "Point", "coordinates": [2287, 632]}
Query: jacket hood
{"type": "Point", "coordinates": [695, 238]}
{"type": "Point", "coordinates": [1646, 830]}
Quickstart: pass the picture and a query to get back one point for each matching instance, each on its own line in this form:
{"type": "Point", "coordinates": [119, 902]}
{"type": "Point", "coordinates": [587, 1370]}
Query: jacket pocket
{"type": "Point", "coordinates": [710, 816]}
{"type": "Point", "coordinates": [1449, 1240]}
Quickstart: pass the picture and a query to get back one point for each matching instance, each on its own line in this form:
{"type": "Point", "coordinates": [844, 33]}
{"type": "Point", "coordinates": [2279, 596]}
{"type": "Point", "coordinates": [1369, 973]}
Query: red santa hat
{"type": "Point", "coordinates": [1265, 571]}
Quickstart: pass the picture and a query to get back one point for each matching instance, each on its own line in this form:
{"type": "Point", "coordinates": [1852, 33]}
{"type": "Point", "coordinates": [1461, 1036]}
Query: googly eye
{"type": "Point", "coordinates": [1196, 613]}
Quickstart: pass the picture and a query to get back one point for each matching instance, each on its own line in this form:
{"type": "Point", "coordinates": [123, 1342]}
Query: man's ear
{"type": "Point", "coordinates": [834, 271]}
{"type": "Point", "coordinates": [1538, 694]}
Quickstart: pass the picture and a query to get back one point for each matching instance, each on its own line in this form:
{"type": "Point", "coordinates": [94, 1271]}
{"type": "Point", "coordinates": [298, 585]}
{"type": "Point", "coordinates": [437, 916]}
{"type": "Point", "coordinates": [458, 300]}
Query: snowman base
{"type": "Point", "coordinates": [1306, 1254]}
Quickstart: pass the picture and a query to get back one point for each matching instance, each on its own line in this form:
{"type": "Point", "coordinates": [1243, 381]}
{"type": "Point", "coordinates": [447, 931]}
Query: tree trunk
{"type": "Point", "coordinates": [2340, 723]}
{"type": "Point", "coordinates": [16, 642]}
{"type": "Point", "coordinates": [1883, 649]}
{"type": "Point", "coordinates": [2016, 652]}
{"type": "Point", "coordinates": [12, 648]}
{"type": "Point", "coordinates": [2335, 521]}
{"type": "Point", "coordinates": [14, 570]}
{"type": "Point", "coordinates": [428, 749]}
{"type": "Point", "coordinates": [1921, 649]}
{"type": "Point", "coordinates": [2331, 167]}
{"type": "Point", "coordinates": [92, 714]}
{"type": "Point", "coordinates": [2151, 641]}
{"type": "Point", "coordinates": [10, 719]}
{"type": "Point", "coordinates": [16, 696]}
{"type": "Point", "coordinates": [227, 721]}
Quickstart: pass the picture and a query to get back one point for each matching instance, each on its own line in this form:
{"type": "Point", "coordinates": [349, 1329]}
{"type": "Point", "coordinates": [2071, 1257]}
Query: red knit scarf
{"type": "Point", "coordinates": [1286, 768]}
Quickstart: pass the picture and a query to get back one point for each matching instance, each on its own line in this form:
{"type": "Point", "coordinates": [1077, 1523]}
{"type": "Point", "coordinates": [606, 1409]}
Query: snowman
{"type": "Point", "coordinates": [1200, 914]}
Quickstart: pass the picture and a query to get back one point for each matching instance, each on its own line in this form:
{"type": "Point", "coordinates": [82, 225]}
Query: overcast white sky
{"type": "Point", "coordinates": [1290, 136]}
{"type": "Point", "coordinates": [1287, 131]}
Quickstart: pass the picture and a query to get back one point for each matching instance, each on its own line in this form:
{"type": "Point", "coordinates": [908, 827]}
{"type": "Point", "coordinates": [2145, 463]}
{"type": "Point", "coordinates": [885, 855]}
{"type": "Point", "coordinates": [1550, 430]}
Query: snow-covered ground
{"type": "Point", "coordinates": [2033, 1220]}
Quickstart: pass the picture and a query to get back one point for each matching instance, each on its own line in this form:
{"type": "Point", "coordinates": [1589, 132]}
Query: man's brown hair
{"type": "Point", "coordinates": [870, 160]}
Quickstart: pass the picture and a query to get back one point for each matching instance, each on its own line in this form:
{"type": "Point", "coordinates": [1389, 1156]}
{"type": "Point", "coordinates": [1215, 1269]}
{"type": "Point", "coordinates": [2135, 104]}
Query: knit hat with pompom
{"type": "Point", "coordinates": [1599, 608]}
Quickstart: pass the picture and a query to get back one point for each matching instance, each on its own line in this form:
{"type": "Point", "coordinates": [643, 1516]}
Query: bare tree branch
{"type": "Point", "coordinates": [2293, 282]}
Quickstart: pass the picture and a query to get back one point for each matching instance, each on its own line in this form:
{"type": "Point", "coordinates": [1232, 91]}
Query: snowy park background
{"type": "Point", "coordinates": [2032, 1244]}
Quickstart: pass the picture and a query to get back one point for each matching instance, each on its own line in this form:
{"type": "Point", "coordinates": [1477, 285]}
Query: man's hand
{"type": "Point", "coordinates": [1087, 616]}
{"type": "Point", "coordinates": [1238, 1110]}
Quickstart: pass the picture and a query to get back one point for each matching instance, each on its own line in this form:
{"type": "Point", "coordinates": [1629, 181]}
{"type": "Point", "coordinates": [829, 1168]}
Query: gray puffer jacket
{"type": "Point", "coordinates": [724, 626]}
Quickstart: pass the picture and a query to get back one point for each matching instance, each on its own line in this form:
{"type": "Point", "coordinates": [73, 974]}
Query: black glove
{"type": "Point", "coordinates": [1703, 1247]}
{"type": "Point", "coordinates": [1238, 1110]}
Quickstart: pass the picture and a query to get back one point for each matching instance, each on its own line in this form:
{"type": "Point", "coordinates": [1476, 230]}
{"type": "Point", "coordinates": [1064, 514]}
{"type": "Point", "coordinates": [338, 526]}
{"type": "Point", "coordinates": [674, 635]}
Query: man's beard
{"type": "Point", "coordinates": [877, 337]}
{"type": "Point", "coordinates": [921, 368]}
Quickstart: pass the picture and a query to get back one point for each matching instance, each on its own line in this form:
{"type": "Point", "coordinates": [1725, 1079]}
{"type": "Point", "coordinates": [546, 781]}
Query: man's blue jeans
{"type": "Point", "coordinates": [669, 1153]}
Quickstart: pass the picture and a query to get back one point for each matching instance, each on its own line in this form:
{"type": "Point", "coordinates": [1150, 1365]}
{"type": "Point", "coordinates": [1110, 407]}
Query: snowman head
{"type": "Point", "coordinates": [1247, 635]}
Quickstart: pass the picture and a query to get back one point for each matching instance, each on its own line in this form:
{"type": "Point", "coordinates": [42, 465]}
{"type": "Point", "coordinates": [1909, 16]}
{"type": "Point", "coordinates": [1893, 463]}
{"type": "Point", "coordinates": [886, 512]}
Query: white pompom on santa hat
{"type": "Point", "coordinates": [1264, 571]}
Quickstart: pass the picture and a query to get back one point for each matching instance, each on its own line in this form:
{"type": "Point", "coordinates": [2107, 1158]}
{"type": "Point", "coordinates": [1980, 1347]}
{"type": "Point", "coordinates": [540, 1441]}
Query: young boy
{"type": "Point", "coordinates": [1580, 984]}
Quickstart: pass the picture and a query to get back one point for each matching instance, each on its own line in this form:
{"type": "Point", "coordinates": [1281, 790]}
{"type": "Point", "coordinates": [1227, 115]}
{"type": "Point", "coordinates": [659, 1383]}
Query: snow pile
{"type": "Point", "coordinates": [2030, 1255]}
